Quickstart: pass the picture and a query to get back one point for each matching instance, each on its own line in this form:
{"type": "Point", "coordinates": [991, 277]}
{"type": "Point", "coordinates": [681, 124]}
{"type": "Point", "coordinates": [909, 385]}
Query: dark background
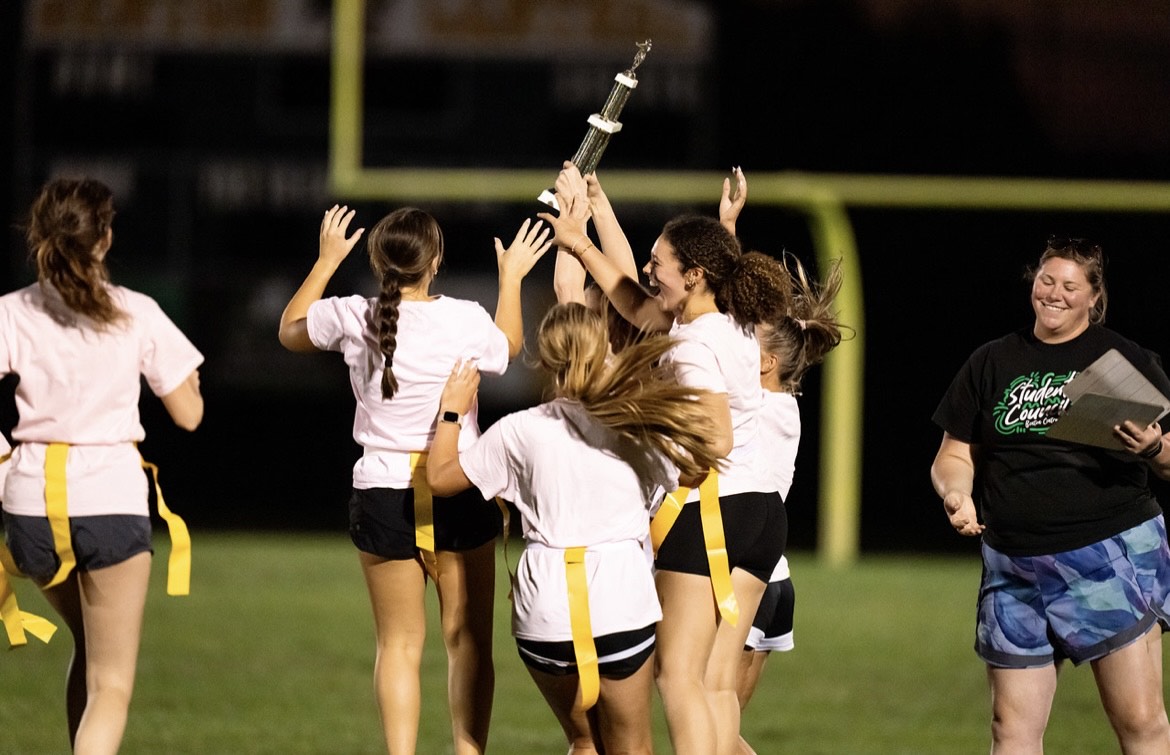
{"type": "Point", "coordinates": [218, 152]}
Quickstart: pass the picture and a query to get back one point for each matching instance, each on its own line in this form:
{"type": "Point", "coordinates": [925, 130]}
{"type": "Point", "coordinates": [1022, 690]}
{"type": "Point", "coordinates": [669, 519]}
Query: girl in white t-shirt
{"type": "Point", "coordinates": [81, 347]}
{"type": "Point", "coordinates": [709, 295]}
{"type": "Point", "coordinates": [399, 347]}
{"type": "Point", "coordinates": [789, 346]}
{"type": "Point", "coordinates": [584, 470]}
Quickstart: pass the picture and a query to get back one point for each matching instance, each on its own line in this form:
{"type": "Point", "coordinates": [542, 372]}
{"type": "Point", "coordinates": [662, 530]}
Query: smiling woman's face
{"type": "Point", "coordinates": [1062, 299]}
{"type": "Point", "coordinates": [666, 279]}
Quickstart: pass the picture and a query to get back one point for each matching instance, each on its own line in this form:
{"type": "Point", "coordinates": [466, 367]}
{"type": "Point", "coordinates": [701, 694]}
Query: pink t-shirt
{"type": "Point", "coordinates": [81, 386]}
{"type": "Point", "coordinates": [432, 335]}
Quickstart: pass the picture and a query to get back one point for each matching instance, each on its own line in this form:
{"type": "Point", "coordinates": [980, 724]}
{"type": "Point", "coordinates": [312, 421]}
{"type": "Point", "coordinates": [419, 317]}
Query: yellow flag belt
{"type": "Point", "coordinates": [713, 539]}
{"type": "Point", "coordinates": [57, 511]}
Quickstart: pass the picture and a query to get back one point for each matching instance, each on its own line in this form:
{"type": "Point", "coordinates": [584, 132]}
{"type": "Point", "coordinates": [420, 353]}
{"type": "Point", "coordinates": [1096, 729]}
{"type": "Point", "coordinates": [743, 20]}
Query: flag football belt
{"type": "Point", "coordinates": [713, 539]}
{"type": "Point", "coordinates": [57, 510]}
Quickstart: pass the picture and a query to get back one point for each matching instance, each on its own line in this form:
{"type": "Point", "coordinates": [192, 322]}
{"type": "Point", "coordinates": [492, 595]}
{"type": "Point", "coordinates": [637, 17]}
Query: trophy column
{"type": "Point", "coordinates": [603, 125]}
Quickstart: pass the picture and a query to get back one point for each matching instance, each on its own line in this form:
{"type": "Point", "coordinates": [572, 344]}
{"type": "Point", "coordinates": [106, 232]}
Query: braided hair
{"type": "Point", "coordinates": [404, 247]}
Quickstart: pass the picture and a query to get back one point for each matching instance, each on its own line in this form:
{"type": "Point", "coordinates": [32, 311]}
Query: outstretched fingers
{"type": "Point", "coordinates": [334, 242]}
{"type": "Point", "coordinates": [530, 244]}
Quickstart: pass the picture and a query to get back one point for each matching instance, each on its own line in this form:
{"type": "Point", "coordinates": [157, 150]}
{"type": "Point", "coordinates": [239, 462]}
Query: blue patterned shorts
{"type": "Point", "coordinates": [1080, 604]}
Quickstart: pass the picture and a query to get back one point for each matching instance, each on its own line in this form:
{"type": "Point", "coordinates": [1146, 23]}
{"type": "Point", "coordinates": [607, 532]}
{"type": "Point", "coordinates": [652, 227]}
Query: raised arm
{"type": "Point", "coordinates": [612, 238]}
{"type": "Point", "coordinates": [953, 477]}
{"type": "Point", "coordinates": [630, 299]}
{"type": "Point", "coordinates": [568, 278]}
{"type": "Point", "coordinates": [334, 247]}
{"type": "Point", "coordinates": [444, 473]}
{"type": "Point", "coordinates": [530, 244]}
{"type": "Point", "coordinates": [733, 199]}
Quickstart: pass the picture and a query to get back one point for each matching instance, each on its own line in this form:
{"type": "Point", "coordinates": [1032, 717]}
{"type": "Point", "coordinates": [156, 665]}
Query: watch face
{"type": "Point", "coordinates": [451, 417]}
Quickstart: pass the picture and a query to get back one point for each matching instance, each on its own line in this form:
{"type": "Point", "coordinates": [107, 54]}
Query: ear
{"type": "Point", "coordinates": [769, 363]}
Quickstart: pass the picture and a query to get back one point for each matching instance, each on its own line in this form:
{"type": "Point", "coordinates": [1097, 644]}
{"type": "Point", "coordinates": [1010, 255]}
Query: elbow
{"type": "Point", "coordinates": [190, 419]}
{"type": "Point", "coordinates": [443, 491]}
{"type": "Point", "coordinates": [440, 486]}
{"type": "Point", "coordinates": [720, 446]}
{"type": "Point", "coordinates": [289, 339]}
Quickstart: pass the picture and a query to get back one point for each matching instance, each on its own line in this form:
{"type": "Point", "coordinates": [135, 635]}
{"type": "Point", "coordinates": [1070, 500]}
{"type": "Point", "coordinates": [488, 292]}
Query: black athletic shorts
{"type": "Point", "coordinates": [381, 521]}
{"type": "Point", "coordinates": [619, 654]}
{"type": "Point", "coordinates": [97, 542]}
{"type": "Point", "coordinates": [755, 529]}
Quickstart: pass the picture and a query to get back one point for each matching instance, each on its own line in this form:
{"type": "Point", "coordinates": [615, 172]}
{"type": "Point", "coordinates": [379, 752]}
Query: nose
{"type": "Point", "coordinates": [646, 268]}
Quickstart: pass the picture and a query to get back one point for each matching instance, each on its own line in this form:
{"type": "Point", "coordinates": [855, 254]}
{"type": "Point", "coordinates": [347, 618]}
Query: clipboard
{"type": "Point", "coordinates": [1106, 393]}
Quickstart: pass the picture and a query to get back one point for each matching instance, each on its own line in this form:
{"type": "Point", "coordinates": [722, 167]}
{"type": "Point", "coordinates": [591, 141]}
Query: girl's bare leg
{"type": "Point", "coordinates": [466, 586]}
{"type": "Point", "coordinates": [396, 590]}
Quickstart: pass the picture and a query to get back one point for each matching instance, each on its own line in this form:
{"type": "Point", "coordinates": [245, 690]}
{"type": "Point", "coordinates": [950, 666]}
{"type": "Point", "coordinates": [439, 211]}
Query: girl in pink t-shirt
{"type": "Point", "coordinates": [399, 347]}
{"type": "Point", "coordinates": [81, 346]}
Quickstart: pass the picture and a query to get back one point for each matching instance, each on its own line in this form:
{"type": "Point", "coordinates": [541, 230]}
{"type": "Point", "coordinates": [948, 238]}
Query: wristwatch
{"type": "Point", "coordinates": [452, 417]}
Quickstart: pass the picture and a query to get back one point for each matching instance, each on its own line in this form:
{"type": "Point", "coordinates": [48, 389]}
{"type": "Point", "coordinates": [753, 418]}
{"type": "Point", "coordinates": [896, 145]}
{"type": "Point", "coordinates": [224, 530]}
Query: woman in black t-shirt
{"type": "Point", "coordinates": [1075, 557]}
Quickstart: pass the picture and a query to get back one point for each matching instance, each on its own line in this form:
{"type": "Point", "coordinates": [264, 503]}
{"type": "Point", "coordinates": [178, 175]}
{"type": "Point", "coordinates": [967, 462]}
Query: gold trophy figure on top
{"type": "Point", "coordinates": [603, 125]}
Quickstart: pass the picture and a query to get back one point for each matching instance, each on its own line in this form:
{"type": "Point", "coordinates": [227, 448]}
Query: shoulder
{"type": "Point", "coordinates": [134, 301]}
{"type": "Point", "coordinates": [355, 304]}
{"type": "Point", "coordinates": [1004, 347]}
{"type": "Point", "coordinates": [1113, 339]}
{"type": "Point", "coordinates": [713, 331]}
{"type": "Point", "coordinates": [465, 307]}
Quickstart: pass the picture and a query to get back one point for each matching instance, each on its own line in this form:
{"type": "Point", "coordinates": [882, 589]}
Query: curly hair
{"type": "Point", "coordinates": [68, 233]}
{"type": "Point", "coordinates": [628, 393]}
{"type": "Point", "coordinates": [752, 287]}
{"type": "Point", "coordinates": [403, 247]}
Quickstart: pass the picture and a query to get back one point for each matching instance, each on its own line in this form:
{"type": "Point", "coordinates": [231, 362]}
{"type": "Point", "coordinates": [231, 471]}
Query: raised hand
{"type": "Point", "coordinates": [530, 244]}
{"type": "Point", "coordinates": [569, 226]}
{"type": "Point", "coordinates": [334, 245]}
{"type": "Point", "coordinates": [732, 201]}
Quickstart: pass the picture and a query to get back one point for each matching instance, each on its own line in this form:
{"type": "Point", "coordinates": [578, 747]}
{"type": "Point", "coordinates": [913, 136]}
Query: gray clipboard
{"type": "Point", "coordinates": [1091, 419]}
{"type": "Point", "coordinates": [1103, 395]}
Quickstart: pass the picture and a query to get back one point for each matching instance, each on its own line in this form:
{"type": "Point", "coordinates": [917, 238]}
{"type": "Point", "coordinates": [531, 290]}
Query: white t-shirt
{"type": "Point", "coordinates": [575, 483]}
{"type": "Point", "coordinates": [715, 353]}
{"type": "Point", "coordinates": [780, 439]}
{"type": "Point", "coordinates": [432, 336]}
{"type": "Point", "coordinates": [81, 386]}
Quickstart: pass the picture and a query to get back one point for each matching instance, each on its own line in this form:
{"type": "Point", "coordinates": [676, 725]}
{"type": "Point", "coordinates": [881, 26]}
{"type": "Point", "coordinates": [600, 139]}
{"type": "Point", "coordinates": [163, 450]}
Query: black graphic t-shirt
{"type": "Point", "coordinates": [1039, 495]}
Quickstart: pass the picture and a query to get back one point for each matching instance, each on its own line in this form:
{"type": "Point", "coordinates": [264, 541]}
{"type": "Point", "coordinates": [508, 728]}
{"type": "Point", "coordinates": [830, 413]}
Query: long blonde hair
{"type": "Point", "coordinates": [631, 393]}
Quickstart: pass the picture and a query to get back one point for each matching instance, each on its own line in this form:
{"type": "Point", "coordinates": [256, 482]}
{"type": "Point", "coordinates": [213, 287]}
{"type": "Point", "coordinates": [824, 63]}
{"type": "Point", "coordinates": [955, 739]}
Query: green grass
{"type": "Point", "coordinates": [273, 653]}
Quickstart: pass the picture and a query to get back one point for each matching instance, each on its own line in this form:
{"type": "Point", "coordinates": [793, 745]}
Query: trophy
{"type": "Point", "coordinates": [603, 125]}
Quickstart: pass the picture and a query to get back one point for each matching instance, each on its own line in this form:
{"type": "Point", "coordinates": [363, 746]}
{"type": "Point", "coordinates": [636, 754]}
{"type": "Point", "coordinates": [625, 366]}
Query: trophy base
{"type": "Point", "coordinates": [549, 197]}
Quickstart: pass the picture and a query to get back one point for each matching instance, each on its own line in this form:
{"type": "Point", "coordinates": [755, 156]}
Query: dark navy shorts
{"type": "Point", "coordinates": [97, 542]}
{"type": "Point", "coordinates": [381, 522]}
{"type": "Point", "coordinates": [755, 529]}
{"type": "Point", "coordinates": [772, 627]}
{"type": "Point", "coordinates": [619, 655]}
{"type": "Point", "coordinates": [1081, 604]}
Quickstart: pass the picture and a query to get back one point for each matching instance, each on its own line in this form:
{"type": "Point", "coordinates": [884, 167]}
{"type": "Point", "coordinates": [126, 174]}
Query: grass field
{"type": "Point", "coordinates": [273, 653]}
